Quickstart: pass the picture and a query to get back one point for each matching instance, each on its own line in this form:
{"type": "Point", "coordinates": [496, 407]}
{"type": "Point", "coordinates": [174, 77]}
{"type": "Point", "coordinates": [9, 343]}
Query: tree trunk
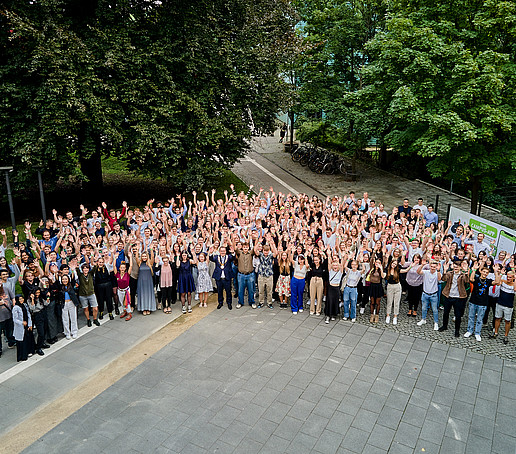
{"type": "Point", "coordinates": [91, 167]}
{"type": "Point", "coordinates": [382, 159]}
{"type": "Point", "coordinates": [291, 131]}
{"type": "Point", "coordinates": [475, 191]}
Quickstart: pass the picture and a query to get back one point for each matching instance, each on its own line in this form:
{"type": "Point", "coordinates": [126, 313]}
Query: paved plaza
{"type": "Point", "coordinates": [251, 381]}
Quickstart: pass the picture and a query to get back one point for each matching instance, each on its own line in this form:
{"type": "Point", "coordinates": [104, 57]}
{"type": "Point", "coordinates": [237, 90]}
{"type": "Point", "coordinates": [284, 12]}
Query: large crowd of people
{"type": "Point", "coordinates": [347, 254]}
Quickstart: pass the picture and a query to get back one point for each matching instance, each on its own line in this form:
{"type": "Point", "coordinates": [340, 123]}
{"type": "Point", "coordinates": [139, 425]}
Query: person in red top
{"type": "Point", "coordinates": [112, 216]}
{"type": "Point", "coordinates": [122, 277]}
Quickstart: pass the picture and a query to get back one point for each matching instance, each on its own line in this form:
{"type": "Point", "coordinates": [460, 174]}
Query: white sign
{"type": "Point", "coordinates": [505, 238]}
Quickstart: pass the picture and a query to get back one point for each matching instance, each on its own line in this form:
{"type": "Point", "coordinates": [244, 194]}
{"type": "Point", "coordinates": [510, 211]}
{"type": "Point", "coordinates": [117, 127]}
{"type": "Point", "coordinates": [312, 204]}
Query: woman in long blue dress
{"type": "Point", "coordinates": [145, 292]}
{"type": "Point", "coordinates": [185, 281]}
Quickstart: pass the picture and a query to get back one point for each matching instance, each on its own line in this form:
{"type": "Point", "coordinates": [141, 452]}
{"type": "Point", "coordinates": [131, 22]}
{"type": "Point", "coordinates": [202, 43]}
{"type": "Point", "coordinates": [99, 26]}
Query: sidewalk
{"type": "Point", "coordinates": [28, 386]}
{"type": "Point", "coordinates": [382, 186]}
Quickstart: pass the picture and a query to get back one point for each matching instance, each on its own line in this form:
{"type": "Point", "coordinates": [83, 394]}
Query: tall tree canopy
{"type": "Point", "coordinates": [174, 88]}
{"type": "Point", "coordinates": [335, 33]}
{"type": "Point", "coordinates": [444, 73]}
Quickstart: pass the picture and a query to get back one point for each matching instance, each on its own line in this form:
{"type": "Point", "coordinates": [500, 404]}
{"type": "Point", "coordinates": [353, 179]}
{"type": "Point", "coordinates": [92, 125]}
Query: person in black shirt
{"type": "Point", "coordinates": [103, 288]}
{"type": "Point", "coordinates": [479, 298]}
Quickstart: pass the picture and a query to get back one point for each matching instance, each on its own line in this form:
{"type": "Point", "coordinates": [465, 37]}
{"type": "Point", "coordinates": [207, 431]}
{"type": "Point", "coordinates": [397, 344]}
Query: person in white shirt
{"type": "Point", "coordinates": [420, 206]}
{"type": "Point", "coordinates": [479, 245]}
{"type": "Point", "coordinates": [430, 297]}
{"type": "Point", "coordinates": [381, 211]}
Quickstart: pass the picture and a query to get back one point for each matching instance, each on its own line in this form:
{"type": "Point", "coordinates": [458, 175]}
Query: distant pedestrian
{"type": "Point", "coordinates": [283, 132]}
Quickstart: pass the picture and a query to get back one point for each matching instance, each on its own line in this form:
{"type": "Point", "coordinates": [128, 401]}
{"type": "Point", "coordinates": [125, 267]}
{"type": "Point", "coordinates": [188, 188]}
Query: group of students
{"type": "Point", "coordinates": [347, 252]}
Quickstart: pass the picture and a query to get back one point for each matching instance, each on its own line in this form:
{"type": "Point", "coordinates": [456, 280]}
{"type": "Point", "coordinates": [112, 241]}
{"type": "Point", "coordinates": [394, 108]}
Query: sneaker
{"type": "Point", "coordinates": [300, 310]}
{"type": "Point", "coordinates": [89, 322]}
{"type": "Point", "coordinates": [111, 316]}
{"type": "Point", "coordinates": [183, 310]}
{"type": "Point", "coordinates": [505, 340]}
{"type": "Point", "coordinates": [68, 337]}
{"type": "Point", "coordinates": [362, 310]}
{"type": "Point", "coordinates": [295, 313]}
{"type": "Point", "coordinates": [74, 336]}
{"type": "Point", "coordinates": [101, 316]}
{"type": "Point", "coordinates": [311, 313]}
{"type": "Point", "coordinates": [353, 320]}
{"type": "Point", "coordinates": [189, 308]}
{"type": "Point", "coordinates": [421, 322]}
{"type": "Point", "coordinates": [467, 334]}
{"type": "Point", "coordinates": [327, 320]}
{"type": "Point", "coordinates": [238, 306]}
{"type": "Point", "coordinates": [344, 318]}
{"type": "Point", "coordinates": [96, 322]}
{"type": "Point", "coordinates": [436, 326]}
{"type": "Point", "coordinates": [308, 302]}
{"type": "Point", "coordinates": [387, 319]}
{"type": "Point", "coordinates": [332, 319]}
{"type": "Point", "coordinates": [324, 298]}
{"type": "Point", "coordinates": [395, 321]}
{"type": "Point", "coordinates": [253, 306]}
{"type": "Point", "coordinates": [477, 337]}
{"type": "Point", "coordinates": [442, 328]}
{"type": "Point", "coordinates": [494, 335]}
{"type": "Point", "coordinates": [270, 306]}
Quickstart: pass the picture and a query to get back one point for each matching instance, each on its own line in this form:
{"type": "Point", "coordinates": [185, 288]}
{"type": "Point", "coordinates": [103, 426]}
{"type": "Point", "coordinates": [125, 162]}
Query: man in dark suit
{"type": "Point", "coordinates": [223, 274]}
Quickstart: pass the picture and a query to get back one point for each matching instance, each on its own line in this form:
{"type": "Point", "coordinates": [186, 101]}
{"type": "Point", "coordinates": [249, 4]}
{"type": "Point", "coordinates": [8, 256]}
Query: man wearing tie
{"type": "Point", "coordinates": [223, 274]}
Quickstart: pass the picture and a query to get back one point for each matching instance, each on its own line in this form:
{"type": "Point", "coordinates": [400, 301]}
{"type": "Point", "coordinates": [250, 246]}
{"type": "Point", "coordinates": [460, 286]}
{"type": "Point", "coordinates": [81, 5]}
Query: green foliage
{"type": "Point", "coordinates": [335, 33]}
{"type": "Point", "coordinates": [441, 83]}
{"type": "Point", "coordinates": [174, 89]}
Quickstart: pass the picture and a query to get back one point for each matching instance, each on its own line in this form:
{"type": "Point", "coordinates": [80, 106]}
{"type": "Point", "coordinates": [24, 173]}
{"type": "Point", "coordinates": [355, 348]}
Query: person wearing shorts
{"type": "Point", "coordinates": [87, 294]}
{"type": "Point", "coordinates": [505, 305]}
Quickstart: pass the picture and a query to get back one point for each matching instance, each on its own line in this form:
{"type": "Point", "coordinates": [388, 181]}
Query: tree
{"type": "Point", "coordinates": [335, 33]}
{"type": "Point", "coordinates": [176, 89]}
{"type": "Point", "coordinates": [442, 83]}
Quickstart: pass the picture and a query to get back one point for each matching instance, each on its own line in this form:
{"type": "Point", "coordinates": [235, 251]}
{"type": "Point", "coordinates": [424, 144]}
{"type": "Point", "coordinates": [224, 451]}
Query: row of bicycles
{"type": "Point", "coordinates": [321, 161]}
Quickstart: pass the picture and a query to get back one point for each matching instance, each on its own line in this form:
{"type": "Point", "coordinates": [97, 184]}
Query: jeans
{"type": "Point", "coordinates": [234, 268]}
{"type": "Point", "coordinates": [245, 281]}
{"type": "Point", "coordinates": [350, 302]}
{"type": "Point", "coordinates": [475, 311]}
{"type": "Point", "coordinates": [297, 287]}
{"type": "Point", "coordinates": [195, 275]}
{"type": "Point", "coordinates": [432, 300]}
